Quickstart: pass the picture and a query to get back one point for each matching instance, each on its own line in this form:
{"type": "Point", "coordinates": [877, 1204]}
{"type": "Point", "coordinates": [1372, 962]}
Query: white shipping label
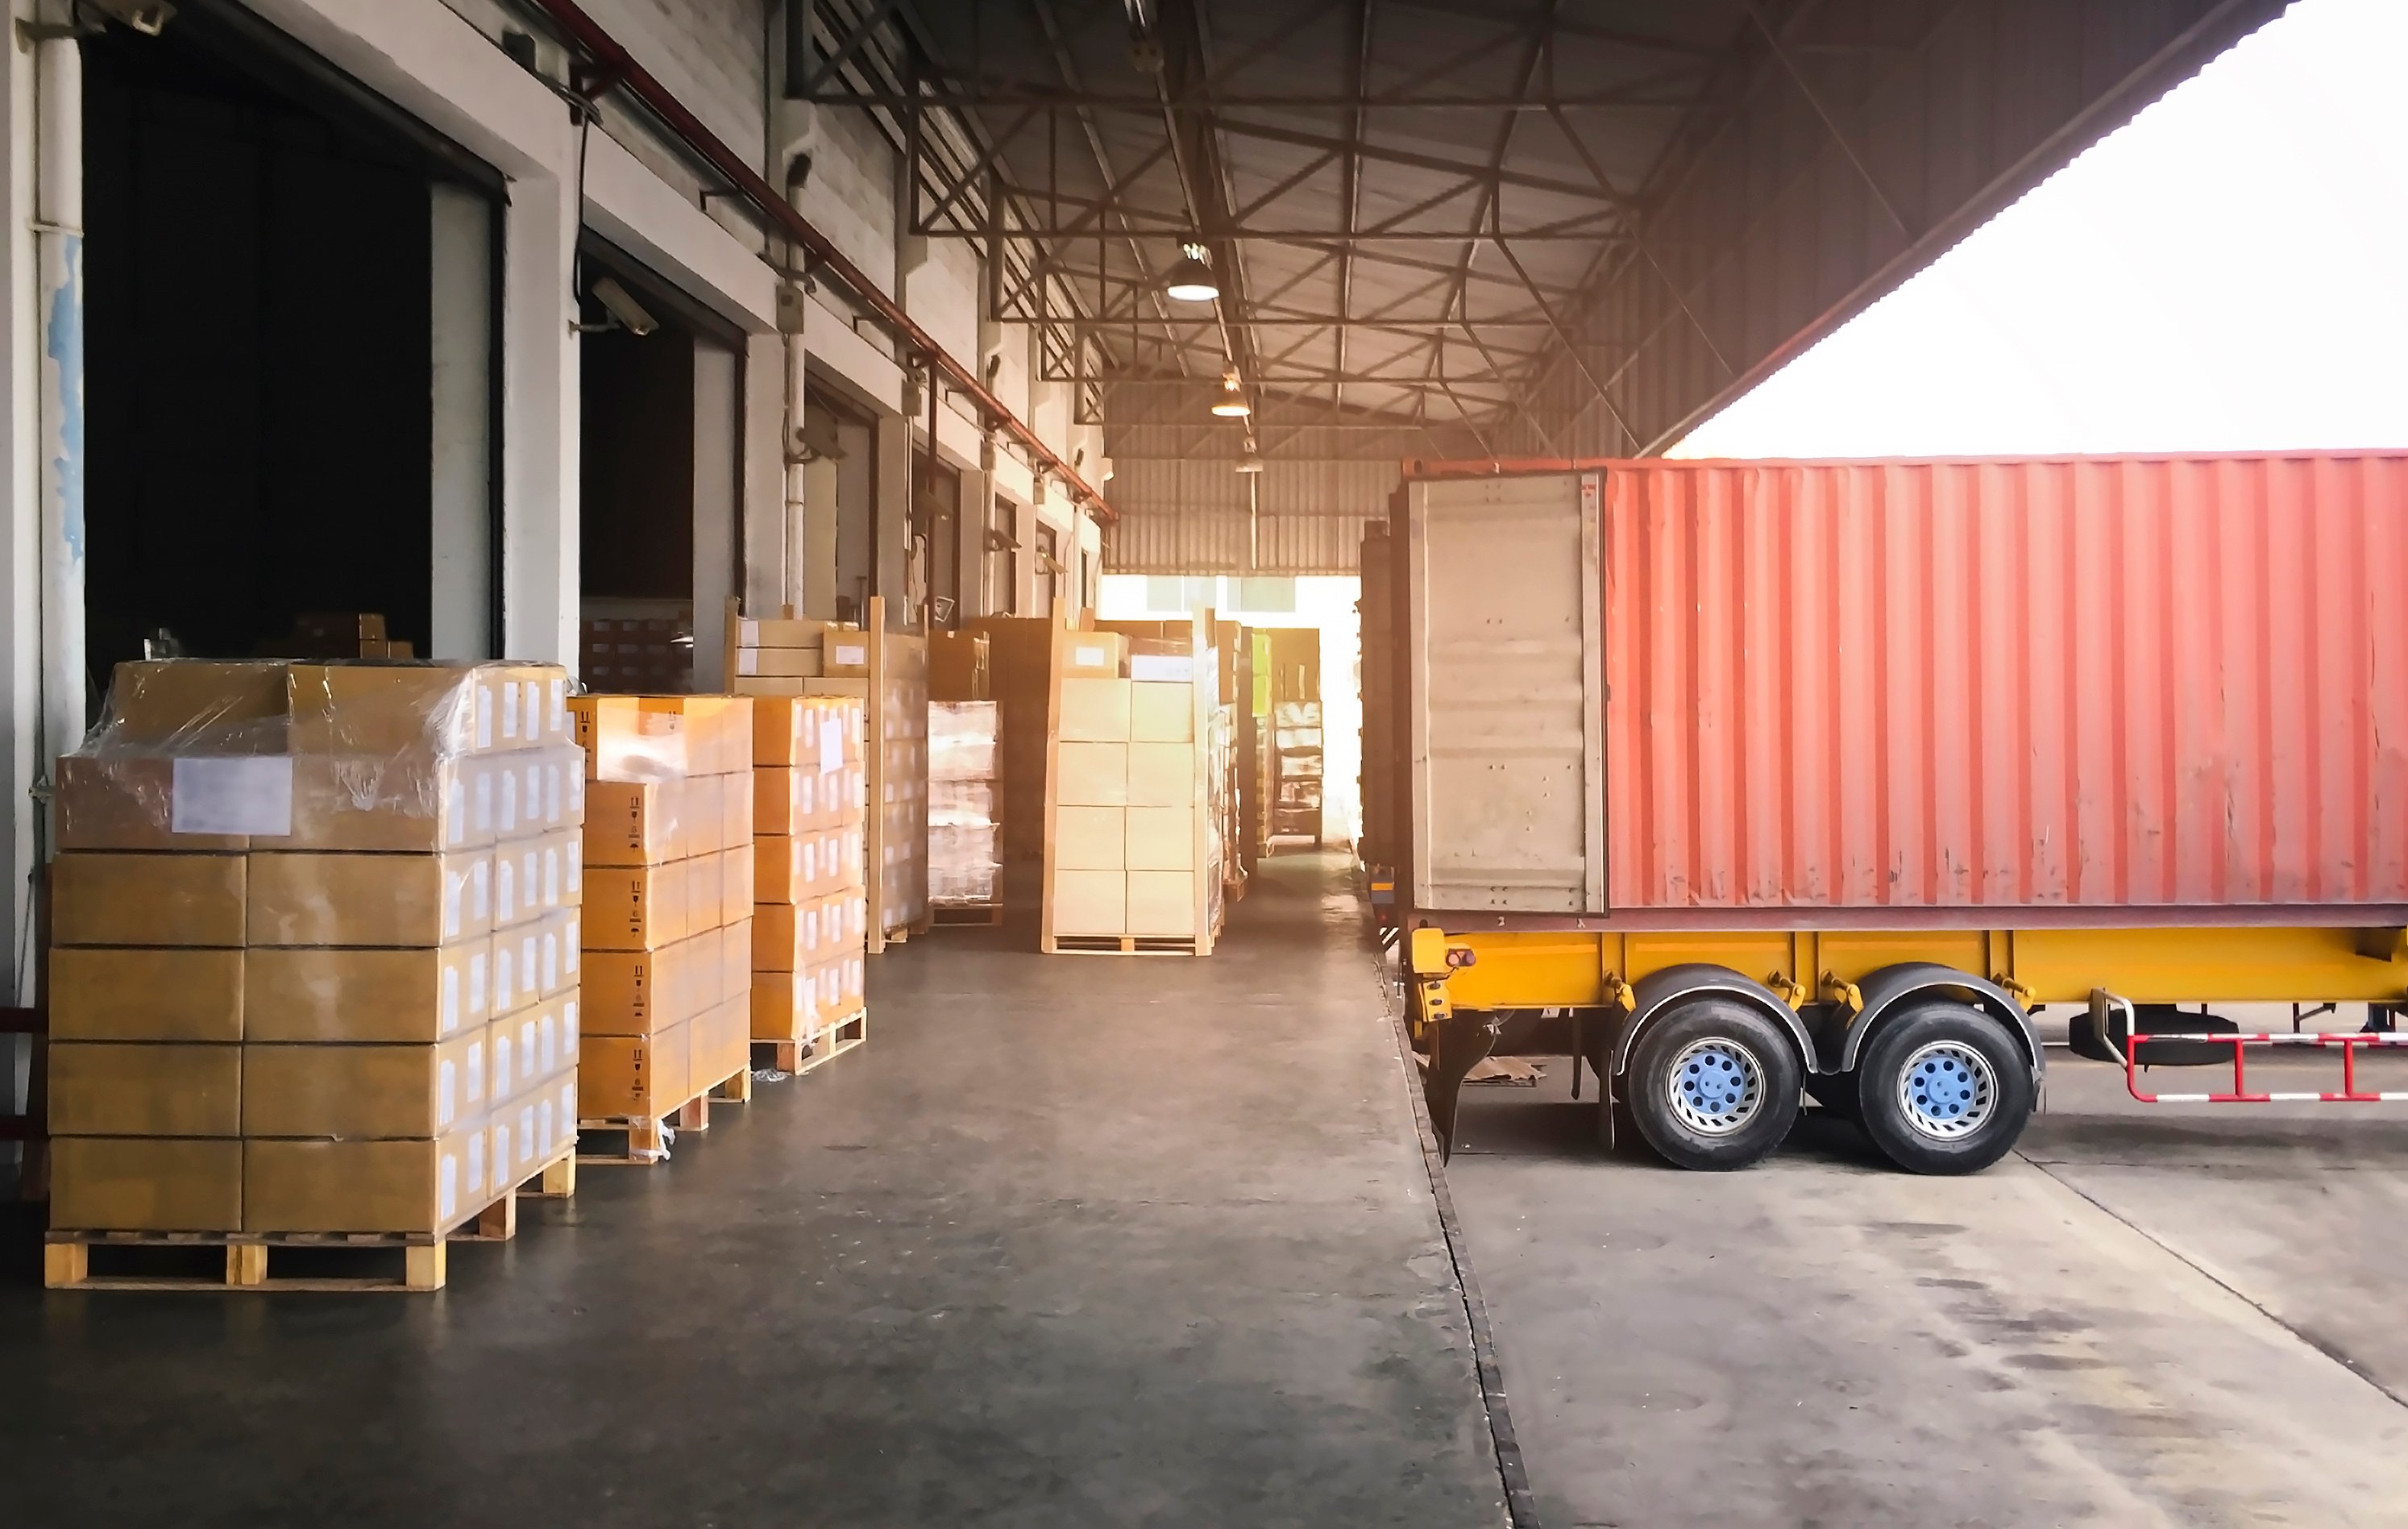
{"type": "Point", "coordinates": [505, 978]}
{"type": "Point", "coordinates": [547, 1042]}
{"type": "Point", "coordinates": [455, 813]}
{"type": "Point", "coordinates": [810, 852]}
{"type": "Point", "coordinates": [568, 947]}
{"type": "Point", "coordinates": [572, 880]}
{"type": "Point", "coordinates": [748, 660]}
{"type": "Point", "coordinates": [551, 960]}
{"type": "Point", "coordinates": [510, 708]}
{"type": "Point", "coordinates": [452, 903]}
{"type": "Point", "coordinates": [747, 632]}
{"type": "Point", "coordinates": [528, 1071]}
{"type": "Point", "coordinates": [552, 802]}
{"type": "Point", "coordinates": [551, 876]}
{"type": "Point", "coordinates": [482, 803]}
{"type": "Point", "coordinates": [847, 655]}
{"type": "Point", "coordinates": [477, 1162]}
{"type": "Point", "coordinates": [807, 791]}
{"type": "Point", "coordinates": [506, 821]}
{"type": "Point", "coordinates": [832, 741]}
{"type": "Point", "coordinates": [566, 1114]}
{"type": "Point", "coordinates": [560, 706]}
{"type": "Point", "coordinates": [477, 985]}
{"type": "Point", "coordinates": [543, 1124]}
{"type": "Point", "coordinates": [478, 889]}
{"type": "Point", "coordinates": [502, 1073]}
{"type": "Point", "coordinates": [447, 1095]}
{"type": "Point", "coordinates": [485, 716]}
{"type": "Point", "coordinates": [526, 1143]}
{"type": "Point", "coordinates": [575, 778]}
{"type": "Point", "coordinates": [501, 1153]}
{"type": "Point", "coordinates": [1088, 657]}
{"type": "Point", "coordinates": [447, 1199]}
{"type": "Point", "coordinates": [505, 885]}
{"type": "Point", "coordinates": [477, 1072]}
{"type": "Point", "coordinates": [568, 1027]}
{"type": "Point", "coordinates": [447, 1015]}
{"type": "Point", "coordinates": [232, 796]}
{"type": "Point", "coordinates": [810, 930]}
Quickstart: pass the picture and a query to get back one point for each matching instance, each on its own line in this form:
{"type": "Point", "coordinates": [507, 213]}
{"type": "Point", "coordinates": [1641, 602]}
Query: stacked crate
{"type": "Point", "coordinates": [669, 905]}
{"type": "Point", "coordinates": [1132, 858]}
{"type": "Point", "coordinates": [810, 917]}
{"type": "Point", "coordinates": [965, 834]}
{"type": "Point", "coordinates": [315, 948]}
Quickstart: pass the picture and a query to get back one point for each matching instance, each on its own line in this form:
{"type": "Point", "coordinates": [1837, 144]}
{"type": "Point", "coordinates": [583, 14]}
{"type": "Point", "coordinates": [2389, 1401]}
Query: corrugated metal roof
{"type": "Point", "coordinates": [1202, 517]}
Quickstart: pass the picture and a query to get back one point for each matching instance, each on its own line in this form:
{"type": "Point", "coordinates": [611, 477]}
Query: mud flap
{"type": "Point", "coordinates": [1457, 1044]}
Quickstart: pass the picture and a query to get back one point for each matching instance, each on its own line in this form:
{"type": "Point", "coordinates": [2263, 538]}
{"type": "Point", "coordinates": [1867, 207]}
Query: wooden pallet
{"type": "Point", "coordinates": [831, 1041]}
{"type": "Point", "coordinates": [966, 914]}
{"type": "Point", "coordinates": [167, 1261]}
{"type": "Point", "coordinates": [643, 1142]}
{"type": "Point", "coordinates": [1124, 945]}
{"type": "Point", "coordinates": [499, 1221]}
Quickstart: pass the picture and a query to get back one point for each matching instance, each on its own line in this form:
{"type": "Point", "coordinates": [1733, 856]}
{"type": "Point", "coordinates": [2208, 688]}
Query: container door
{"type": "Point", "coordinates": [1508, 721]}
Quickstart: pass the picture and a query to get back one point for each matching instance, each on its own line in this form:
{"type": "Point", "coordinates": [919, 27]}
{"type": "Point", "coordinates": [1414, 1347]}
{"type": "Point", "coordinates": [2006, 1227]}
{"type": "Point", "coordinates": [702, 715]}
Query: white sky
{"type": "Point", "coordinates": [2228, 272]}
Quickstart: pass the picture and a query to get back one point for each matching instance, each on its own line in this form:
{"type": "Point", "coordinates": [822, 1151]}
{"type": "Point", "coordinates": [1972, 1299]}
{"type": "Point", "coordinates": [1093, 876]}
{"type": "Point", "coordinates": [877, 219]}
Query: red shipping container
{"type": "Point", "coordinates": [2082, 685]}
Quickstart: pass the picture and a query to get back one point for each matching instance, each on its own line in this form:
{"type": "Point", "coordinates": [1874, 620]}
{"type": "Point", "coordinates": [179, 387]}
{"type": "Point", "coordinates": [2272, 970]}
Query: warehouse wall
{"type": "Point", "coordinates": [1199, 516]}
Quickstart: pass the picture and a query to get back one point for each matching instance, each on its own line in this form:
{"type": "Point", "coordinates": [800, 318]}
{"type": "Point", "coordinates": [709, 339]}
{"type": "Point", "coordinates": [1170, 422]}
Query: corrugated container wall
{"type": "Point", "coordinates": [1201, 516]}
{"type": "Point", "coordinates": [2080, 684]}
{"type": "Point", "coordinates": [2100, 683]}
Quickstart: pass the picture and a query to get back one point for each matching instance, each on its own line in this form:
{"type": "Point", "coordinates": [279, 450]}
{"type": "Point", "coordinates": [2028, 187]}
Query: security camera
{"type": "Point", "coordinates": [148, 16]}
{"type": "Point", "coordinates": [625, 313]}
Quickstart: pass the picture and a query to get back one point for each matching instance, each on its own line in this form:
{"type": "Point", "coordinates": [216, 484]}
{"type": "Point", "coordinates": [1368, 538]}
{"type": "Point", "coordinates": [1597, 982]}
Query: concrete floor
{"type": "Point", "coordinates": [2141, 1319]}
{"type": "Point", "coordinates": [1073, 1241]}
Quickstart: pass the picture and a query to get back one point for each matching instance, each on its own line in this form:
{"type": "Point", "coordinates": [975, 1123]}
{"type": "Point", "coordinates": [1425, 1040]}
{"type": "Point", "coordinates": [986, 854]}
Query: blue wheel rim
{"type": "Point", "coordinates": [1947, 1090]}
{"type": "Point", "coordinates": [1716, 1086]}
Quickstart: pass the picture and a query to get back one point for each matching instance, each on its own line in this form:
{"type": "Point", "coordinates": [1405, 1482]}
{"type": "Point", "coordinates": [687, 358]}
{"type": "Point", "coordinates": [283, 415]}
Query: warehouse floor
{"type": "Point", "coordinates": [2169, 1318]}
{"type": "Point", "coordinates": [1072, 1241]}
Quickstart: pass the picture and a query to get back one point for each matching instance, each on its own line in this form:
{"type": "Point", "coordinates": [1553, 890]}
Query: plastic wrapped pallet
{"type": "Point", "coordinates": [810, 913]}
{"type": "Point", "coordinates": [302, 913]}
{"type": "Point", "coordinates": [965, 837]}
{"type": "Point", "coordinates": [668, 901]}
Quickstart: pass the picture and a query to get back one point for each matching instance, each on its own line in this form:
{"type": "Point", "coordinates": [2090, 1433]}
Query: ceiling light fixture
{"type": "Point", "coordinates": [1191, 279]}
{"type": "Point", "coordinates": [1232, 403]}
{"type": "Point", "coordinates": [1251, 462]}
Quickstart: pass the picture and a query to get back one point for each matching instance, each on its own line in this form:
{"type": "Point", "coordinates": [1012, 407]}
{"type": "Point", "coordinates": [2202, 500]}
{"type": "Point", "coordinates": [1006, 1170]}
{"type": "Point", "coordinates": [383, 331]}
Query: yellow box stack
{"type": "Point", "coordinates": [668, 904]}
{"type": "Point", "coordinates": [315, 947]}
{"type": "Point", "coordinates": [810, 921]}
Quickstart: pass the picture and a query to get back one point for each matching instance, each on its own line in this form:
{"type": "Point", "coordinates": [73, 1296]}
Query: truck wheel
{"type": "Point", "coordinates": [1943, 1090]}
{"type": "Point", "coordinates": [1713, 1084]}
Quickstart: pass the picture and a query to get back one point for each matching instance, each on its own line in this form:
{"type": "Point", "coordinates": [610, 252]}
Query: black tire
{"type": "Point", "coordinates": [1714, 1042]}
{"type": "Point", "coordinates": [1968, 1066]}
{"type": "Point", "coordinates": [2083, 1035]}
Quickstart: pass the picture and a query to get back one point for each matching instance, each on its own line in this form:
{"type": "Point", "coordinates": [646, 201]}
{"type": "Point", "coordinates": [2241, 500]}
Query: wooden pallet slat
{"type": "Point", "coordinates": [805, 1054]}
{"type": "Point", "coordinates": [1124, 944]}
{"type": "Point", "coordinates": [245, 1262]}
{"type": "Point", "coordinates": [645, 1141]}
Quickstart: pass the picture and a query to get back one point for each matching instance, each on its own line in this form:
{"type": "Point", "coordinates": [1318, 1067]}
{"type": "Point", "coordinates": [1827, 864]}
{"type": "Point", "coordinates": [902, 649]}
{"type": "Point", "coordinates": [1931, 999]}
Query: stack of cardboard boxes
{"type": "Point", "coordinates": [965, 834]}
{"type": "Point", "coordinates": [315, 947]}
{"type": "Point", "coordinates": [668, 901]}
{"type": "Point", "coordinates": [810, 922]}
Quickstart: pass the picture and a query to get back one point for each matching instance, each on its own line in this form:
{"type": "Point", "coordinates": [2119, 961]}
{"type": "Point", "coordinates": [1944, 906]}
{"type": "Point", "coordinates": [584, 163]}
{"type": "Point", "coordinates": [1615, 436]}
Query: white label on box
{"type": "Point", "coordinates": [477, 1161]}
{"type": "Point", "coordinates": [447, 1199]}
{"type": "Point", "coordinates": [748, 660]}
{"type": "Point", "coordinates": [448, 1012]}
{"type": "Point", "coordinates": [232, 796]}
{"type": "Point", "coordinates": [478, 890]}
{"type": "Point", "coordinates": [543, 1124]}
{"type": "Point", "coordinates": [566, 1115]}
{"type": "Point", "coordinates": [447, 1094]}
{"type": "Point", "coordinates": [1174, 667]}
{"type": "Point", "coordinates": [1089, 658]}
{"type": "Point", "coordinates": [527, 968]}
{"type": "Point", "coordinates": [506, 819]}
{"type": "Point", "coordinates": [482, 803]}
{"type": "Point", "coordinates": [477, 985]}
{"type": "Point", "coordinates": [505, 977]}
{"type": "Point", "coordinates": [501, 1153]}
{"type": "Point", "coordinates": [568, 1027]}
{"type": "Point", "coordinates": [551, 876]}
{"type": "Point", "coordinates": [455, 813]}
{"type": "Point", "coordinates": [847, 655]}
{"type": "Point", "coordinates": [832, 741]}
{"type": "Point", "coordinates": [485, 716]}
{"type": "Point", "coordinates": [575, 776]}
{"type": "Point", "coordinates": [510, 708]}
{"type": "Point", "coordinates": [526, 1136]}
{"type": "Point", "coordinates": [501, 1089]}
{"type": "Point", "coordinates": [505, 885]}
{"type": "Point", "coordinates": [747, 632]}
{"type": "Point", "coordinates": [547, 1040]}
{"type": "Point", "coordinates": [476, 1071]}
{"type": "Point", "coordinates": [560, 705]}
{"type": "Point", "coordinates": [811, 849]}
{"type": "Point", "coordinates": [551, 962]}
{"type": "Point", "coordinates": [551, 819]}
{"type": "Point", "coordinates": [528, 1072]}
{"type": "Point", "coordinates": [572, 880]}
{"type": "Point", "coordinates": [568, 947]}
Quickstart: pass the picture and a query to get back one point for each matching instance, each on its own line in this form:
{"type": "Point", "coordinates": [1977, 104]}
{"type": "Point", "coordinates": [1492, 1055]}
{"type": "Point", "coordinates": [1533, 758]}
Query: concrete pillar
{"type": "Point", "coordinates": [540, 526]}
{"type": "Point", "coordinates": [970, 524]}
{"type": "Point", "coordinates": [716, 511]}
{"type": "Point", "coordinates": [461, 599]}
{"type": "Point", "coordinates": [772, 539]}
{"type": "Point", "coordinates": [893, 527]}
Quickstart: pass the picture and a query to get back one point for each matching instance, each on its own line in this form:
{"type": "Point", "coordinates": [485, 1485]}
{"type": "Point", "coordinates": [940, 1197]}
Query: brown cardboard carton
{"type": "Point", "coordinates": [631, 992]}
{"type": "Point", "coordinates": [791, 937]}
{"type": "Point", "coordinates": [369, 802]}
{"type": "Point", "coordinates": [1161, 902]}
{"type": "Point", "coordinates": [1090, 902]}
{"type": "Point", "coordinates": [1090, 838]}
{"type": "Point", "coordinates": [99, 994]}
{"type": "Point", "coordinates": [563, 866]}
{"type": "Point", "coordinates": [390, 711]}
{"type": "Point", "coordinates": [199, 702]}
{"type": "Point", "coordinates": [132, 1089]}
{"type": "Point", "coordinates": [735, 885]}
{"type": "Point", "coordinates": [1162, 776]}
{"type": "Point", "coordinates": [778, 663]}
{"type": "Point", "coordinates": [631, 822]}
{"type": "Point", "coordinates": [1161, 713]}
{"type": "Point", "coordinates": [145, 1184]}
{"type": "Point", "coordinates": [625, 739]}
{"type": "Point", "coordinates": [1092, 775]}
{"type": "Point", "coordinates": [788, 632]}
{"type": "Point", "coordinates": [306, 994]}
{"type": "Point", "coordinates": [426, 1186]}
{"type": "Point", "coordinates": [736, 811]}
{"type": "Point", "coordinates": [1095, 711]}
{"type": "Point", "coordinates": [635, 907]}
{"type": "Point", "coordinates": [369, 900]}
{"type": "Point", "coordinates": [518, 883]}
{"type": "Point", "coordinates": [845, 656]}
{"type": "Point", "coordinates": [720, 1043]}
{"type": "Point", "coordinates": [126, 802]}
{"type": "Point", "coordinates": [106, 898]}
{"type": "Point", "coordinates": [957, 666]}
{"type": "Point", "coordinates": [784, 1005]}
{"type": "Point", "coordinates": [786, 867]}
{"type": "Point", "coordinates": [518, 969]}
{"type": "Point", "coordinates": [364, 1092]}
{"type": "Point", "coordinates": [1161, 839]}
{"type": "Point", "coordinates": [784, 799]}
{"type": "Point", "coordinates": [702, 890]}
{"type": "Point", "coordinates": [1094, 655]}
{"type": "Point", "coordinates": [562, 951]}
{"type": "Point", "coordinates": [627, 1078]}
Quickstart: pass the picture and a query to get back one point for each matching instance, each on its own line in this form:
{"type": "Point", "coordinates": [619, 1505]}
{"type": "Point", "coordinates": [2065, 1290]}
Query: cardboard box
{"type": "Point", "coordinates": [624, 740]}
{"type": "Point", "coordinates": [778, 663]}
{"type": "Point", "coordinates": [1090, 838]}
{"type": "Point", "coordinates": [845, 656]}
{"type": "Point", "coordinates": [309, 995]}
{"type": "Point", "coordinates": [1094, 655]}
{"type": "Point", "coordinates": [786, 866]}
{"type": "Point", "coordinates": [1090, 902]}
{"type": "Point", "coordinates": [626, 1078]}
{"type": "Point", "coordinates": [789, 937]}
{"type": "Point", "coordinates": [100, 994]}
{"type": "Point", "coordinates": [378, 803]}
{"type": "Point", "coordinates": [562, 950]}
{"type": "Point", "coordinates": [1161, 839]}
{"type": "Point", "coordinates": [704, 885]}
{"type": "Point", "coordinates": [150, 1184]}
{"type": "Point", "coordinates": [1163, 775]}
{"type": "Point", "coordinates": [109, 899]}
{"type": "Point", "coordinates": [734, 886]}
{"type": "Point", "coordinates": [720, 1043]}
{"type": "Point", "coordinates": [135, 1088]}
{"type": "Point", "coordinates": [518, 969]}
{"type": "Point", "coordinates": [1161, 902]}
{"type": "Point", "coordinates": [390, 711]}
{"type": "Point", "coordinates": [785, 799]}
{"type": "Point", "coordinates": [785, 1005]}
{"type": "Point", "coordinates": [364, 1092]}
{"type": "Point", "coordinates": [699, 801]}
{"type": "Point", "coordinates": [198, 702]}
{"type": "Point", "coordinates": [127, 803]}
{"type": "Point", "coordinates": [806, 729]}
{"type": "Point", "coordinates": [428, 1186]}
{"type": "Point", "coordinates": [1161, 713]}
{"type": "Point", "coordinates": [562, 867]}
{"type": "Point", "coordinates": [518, 883]}
{"type": "Point", "coordinates": [369, 900]}
{"type": "Point", "coordinates": [736, 961]}
{"type": "Point", "coordinates": [736, 812]}
{"type": "Point", "coordinates": [1095, 711]}
{"type": "Point", "coordinates": [630, 823]}
{"type": "Point", "coordinates": [633, 907]}
{"type": "Point", "coordinates": [787, 632]}
{"type": "Point", "coordinates": [957, 666]}
{"type": "Point", "coordinates": [1092, 775]}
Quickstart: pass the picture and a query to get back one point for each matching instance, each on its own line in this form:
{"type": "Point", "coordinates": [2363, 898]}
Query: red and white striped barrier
{"type": "Point", "coordinates": [2350, 1093]}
